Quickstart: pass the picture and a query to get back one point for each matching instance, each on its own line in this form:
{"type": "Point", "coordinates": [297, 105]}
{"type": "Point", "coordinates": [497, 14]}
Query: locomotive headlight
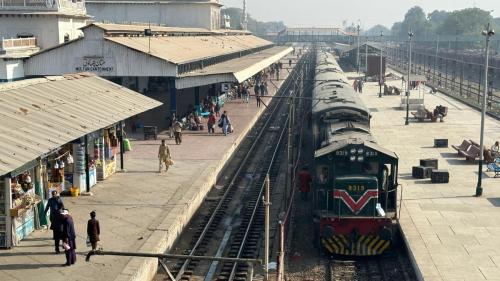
{"type": "Point", "coordinates": [353, 150]}
{"type": "Point", "coordinates": [352, 158]}
{"type": "Point", "coordinates": [360, 151]}
{"type": "Point", "coordinates": [360, 158]}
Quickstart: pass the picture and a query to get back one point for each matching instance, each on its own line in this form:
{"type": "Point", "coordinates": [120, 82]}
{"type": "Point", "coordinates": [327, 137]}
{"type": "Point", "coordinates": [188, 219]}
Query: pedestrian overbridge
{"type": "Point", "coordinates": [315, 34]}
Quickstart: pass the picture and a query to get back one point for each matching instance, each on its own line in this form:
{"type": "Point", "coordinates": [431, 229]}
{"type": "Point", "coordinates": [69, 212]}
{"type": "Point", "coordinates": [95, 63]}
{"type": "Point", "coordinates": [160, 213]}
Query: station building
{"type": "Point", "coordinates": [61, 133]}
{"type": "Point", "coordinates": [181, 13]}
{"type": "Point", "coordinates": [176, 66]}
{"type": "Point", "coordinates": [27, 26]}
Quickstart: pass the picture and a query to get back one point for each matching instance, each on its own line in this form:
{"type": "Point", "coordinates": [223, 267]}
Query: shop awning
{"type": "Point", "coordinates": [39, 115]}
{"type": "Point", "coordinates": [235, 70]}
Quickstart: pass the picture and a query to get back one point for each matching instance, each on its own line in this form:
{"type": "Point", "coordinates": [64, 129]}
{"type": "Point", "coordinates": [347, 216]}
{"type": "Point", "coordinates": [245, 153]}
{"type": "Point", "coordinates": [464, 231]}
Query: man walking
{"type": "Point", "coordinates": [178, 132]}
{"type": "Point", "coordinates": [305, 183]}
{"type": "Point", "coordinates": [55, 205]}
{"type": "Point", "coordinates": [164, 156]}
{"type": "Point", "coordinates": [93, 230]}
{"type": "Point", "coordinates": [224, 119]}
{"type": "Point", "coordinates": [69, 238]}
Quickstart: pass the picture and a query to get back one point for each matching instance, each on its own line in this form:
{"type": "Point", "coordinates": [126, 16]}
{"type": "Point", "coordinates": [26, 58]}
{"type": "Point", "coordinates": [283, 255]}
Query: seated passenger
{"type": "Point", "coordinates": [495, 149]}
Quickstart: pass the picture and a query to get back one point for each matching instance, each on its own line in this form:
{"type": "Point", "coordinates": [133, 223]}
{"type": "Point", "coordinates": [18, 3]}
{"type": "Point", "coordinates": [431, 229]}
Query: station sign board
{"type": "Point", "coordinates": [98, 65]}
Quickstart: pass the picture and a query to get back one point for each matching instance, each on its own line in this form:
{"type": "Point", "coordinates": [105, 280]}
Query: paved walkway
{"type": "Point", "coordinates": [140, 210]}
{"type": "Point", "coordinates": [451, 234]}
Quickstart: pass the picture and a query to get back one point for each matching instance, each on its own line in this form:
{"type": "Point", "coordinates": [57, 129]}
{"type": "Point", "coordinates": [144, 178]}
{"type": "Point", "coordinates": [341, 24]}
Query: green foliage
{"type": "Point", "coordinates": [257, 27]}
{"type": "Point", "coordinates": [468, 21]}
{"type": "Point", "coordinates": [465, 22]}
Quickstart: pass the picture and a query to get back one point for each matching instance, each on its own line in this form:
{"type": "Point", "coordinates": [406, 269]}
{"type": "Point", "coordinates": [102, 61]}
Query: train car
{"type": "Point", "coordinates": [355, 179]}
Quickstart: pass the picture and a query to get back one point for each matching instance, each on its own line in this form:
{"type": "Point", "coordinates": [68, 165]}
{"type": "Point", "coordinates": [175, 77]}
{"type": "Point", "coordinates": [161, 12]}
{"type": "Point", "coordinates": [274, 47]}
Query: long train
{"type": "Point", "coordinates": [354, 179]}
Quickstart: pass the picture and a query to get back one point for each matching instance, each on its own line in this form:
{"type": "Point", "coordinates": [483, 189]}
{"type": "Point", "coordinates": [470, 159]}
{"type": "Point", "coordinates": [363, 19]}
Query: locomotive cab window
{"type": "Point", "coordinates": [370, 168]}
{"type": "Point", "coordinates": [322, 174]}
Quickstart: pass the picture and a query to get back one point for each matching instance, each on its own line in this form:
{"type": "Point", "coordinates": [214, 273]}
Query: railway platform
{"type": "Point", "coordinates": [139, 210]}
{"type": "Point", "coordinates": [450, 233]}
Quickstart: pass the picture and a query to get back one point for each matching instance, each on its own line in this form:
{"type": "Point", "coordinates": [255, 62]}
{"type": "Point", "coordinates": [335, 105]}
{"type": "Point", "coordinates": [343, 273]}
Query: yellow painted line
{"type": "Point", "coordinates": [386, 245]}
{"type": "Point", "coordinates": [377, 246]}
{"type": "Point", "coordinates": [327, 245]}
{"type": "Point", "coordinates": [370, 246]}
{"type": "Point", "coordinates": [333, 245]}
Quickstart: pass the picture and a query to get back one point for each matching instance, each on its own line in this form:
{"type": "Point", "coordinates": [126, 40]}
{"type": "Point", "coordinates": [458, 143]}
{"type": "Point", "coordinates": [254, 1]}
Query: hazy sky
{"type": "Point", "coordinates": [332, 12]}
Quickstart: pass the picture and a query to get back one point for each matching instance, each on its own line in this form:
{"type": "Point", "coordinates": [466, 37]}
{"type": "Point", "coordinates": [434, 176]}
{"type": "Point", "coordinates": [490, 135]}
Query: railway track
{"type": "Point", "coordinates": [230, 221]}
{"type": "Point", "coordinates": [392, 266]}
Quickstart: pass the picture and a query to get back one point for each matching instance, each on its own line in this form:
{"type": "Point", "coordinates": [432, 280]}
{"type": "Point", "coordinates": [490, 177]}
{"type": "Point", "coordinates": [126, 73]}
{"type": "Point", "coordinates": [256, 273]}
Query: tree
{"type": "Point", "coordinates": [375, 30]}
{"type": "Point", "coordinates": [396, 28]}
{"type": "Point", "coordinates": [468, 21]}
{"type": "Point", "coordinates": [415, 20]}
{"type": "Point", "coordinates": [436, 19]}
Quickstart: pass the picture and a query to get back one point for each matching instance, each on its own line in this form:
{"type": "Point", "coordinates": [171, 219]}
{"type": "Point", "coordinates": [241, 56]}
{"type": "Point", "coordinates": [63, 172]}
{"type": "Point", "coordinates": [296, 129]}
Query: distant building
{"type": "Point", "coordinates": [51, 22]}
{"type": "Point", "coordinates": [179, 13]}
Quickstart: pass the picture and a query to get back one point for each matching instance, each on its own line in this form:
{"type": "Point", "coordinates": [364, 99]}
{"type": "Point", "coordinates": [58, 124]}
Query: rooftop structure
{"type": "Point", "coordinates": [39, 115]}
{"type": "Point", "coordinates": [168, 52]}
{"type": "Point", "coordinates": [182, 13]}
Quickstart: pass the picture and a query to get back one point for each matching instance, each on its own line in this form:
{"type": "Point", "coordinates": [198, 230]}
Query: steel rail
{"type": "Point", "coordinates": [259, 202]}
{"type": "Point", "coordinates": [226, 192]}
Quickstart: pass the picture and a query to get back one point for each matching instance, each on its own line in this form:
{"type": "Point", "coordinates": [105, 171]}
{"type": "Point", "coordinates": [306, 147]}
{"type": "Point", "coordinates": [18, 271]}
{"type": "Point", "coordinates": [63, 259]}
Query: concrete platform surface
{"type": "Point", "coordinates": [139, 210]}
{"type": "Point", "coordinates": [452, 235]}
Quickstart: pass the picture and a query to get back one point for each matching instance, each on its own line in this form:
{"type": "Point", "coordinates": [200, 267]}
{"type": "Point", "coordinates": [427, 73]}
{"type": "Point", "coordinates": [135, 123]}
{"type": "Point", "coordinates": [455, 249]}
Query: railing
{"type": "Point", "coordinates": [17, 43]}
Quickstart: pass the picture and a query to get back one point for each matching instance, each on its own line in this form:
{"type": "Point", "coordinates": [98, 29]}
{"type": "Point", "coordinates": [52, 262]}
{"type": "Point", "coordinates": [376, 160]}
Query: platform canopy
{"type": "Point", "coordinates": [40, 115]}
{"type": "Point", "coordinates": [235, 70]}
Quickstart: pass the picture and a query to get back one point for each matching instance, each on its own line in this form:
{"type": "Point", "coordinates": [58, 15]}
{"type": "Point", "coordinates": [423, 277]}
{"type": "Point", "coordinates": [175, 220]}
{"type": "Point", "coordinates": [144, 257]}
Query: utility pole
{"type": "Point", "coordinates": [366, 61]}
{"type": "Point", "coordinates": [407, 122]}
{"type": "Point", "coordinates": [381, 78]}
{"type": "Point", "coordinates": [357, 55]}
{"type": "Point", "coordinates": [244, 20]}
{"type": "Point", "coordinates": [436, 58]}
{"type": "Point", "coordinates": [267, 203]}
{"type": "Point", "coordinates": [488, 33]}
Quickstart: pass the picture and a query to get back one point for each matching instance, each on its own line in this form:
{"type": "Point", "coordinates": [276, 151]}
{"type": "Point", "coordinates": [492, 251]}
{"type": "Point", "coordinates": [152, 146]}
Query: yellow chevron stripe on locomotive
{"type": "Point", "coordinates": [366, 245]}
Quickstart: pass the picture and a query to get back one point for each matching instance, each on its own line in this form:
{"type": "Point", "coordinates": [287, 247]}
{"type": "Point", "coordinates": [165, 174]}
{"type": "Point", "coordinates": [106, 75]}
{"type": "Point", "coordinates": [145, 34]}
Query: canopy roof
{"type": "Point", "coordinates": [40, 115]}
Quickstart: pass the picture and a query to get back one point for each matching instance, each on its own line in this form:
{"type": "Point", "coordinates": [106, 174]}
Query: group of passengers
{"type": "Point", "coordinates": [358, 85]}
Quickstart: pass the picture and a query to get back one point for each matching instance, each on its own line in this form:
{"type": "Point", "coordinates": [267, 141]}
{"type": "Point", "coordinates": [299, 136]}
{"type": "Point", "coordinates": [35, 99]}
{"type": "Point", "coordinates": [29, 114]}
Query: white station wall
{"type": "Point", "coordinates": [119, 60]}
{"type": "Point", "coordinates": [11, 69]}
{"type": "Point", "coordinates": [170, 14]}
{"type": "Point", "coordinates": [49, 30]}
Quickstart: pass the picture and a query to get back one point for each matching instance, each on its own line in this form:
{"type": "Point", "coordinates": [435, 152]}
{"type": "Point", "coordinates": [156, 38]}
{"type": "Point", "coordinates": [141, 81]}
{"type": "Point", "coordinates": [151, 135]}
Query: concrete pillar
{"type": "Point", "coordinates": [197, 96]}
{"type": "Point", "coordinates": [8, 206]}
{"type": "Point", "coordinates": [173, 96]}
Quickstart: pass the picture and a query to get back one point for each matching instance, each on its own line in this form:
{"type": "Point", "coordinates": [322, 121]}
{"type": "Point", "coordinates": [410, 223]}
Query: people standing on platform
{"type": "Point", "coordinates": [360, 86]}
{"type": "Point", "coordinates": [256, 88]}
{"type": "Point", "coordinates": [355, 85]}
{"type": "Point", "coordinates": [246, 94]}
{"type": "Point", "coordinates": [290, 63]}
{"type": "Point", "coordinates": [211, 123]}
{"type": "Point", "coordinates": [217, 108]}
{"type": "Point", "coordinates": [263, 89]}
{"type": "Point", "coordinates": [277, 74]}
{"type": "Point", "coordinates": [178, 132]}
{"type": "Point", "coordinates": [257, 98]}
{"type": "Point", "coordinates": [164, 156]}
{"type": "Point", "coordinates": [305, 183]}
{"type": "Point", "coordinates": [93, 230]}
{"type": "Point", "coordinates": [171, 125]}
{"type": "Point", "coordinates": [226, 123]}
{"type": "Point", "coordinates": [55, 205]}
{"type": "Point", "coordinates": [69, 238]}
{"type": "Point", "coordinates": [495, 149]}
